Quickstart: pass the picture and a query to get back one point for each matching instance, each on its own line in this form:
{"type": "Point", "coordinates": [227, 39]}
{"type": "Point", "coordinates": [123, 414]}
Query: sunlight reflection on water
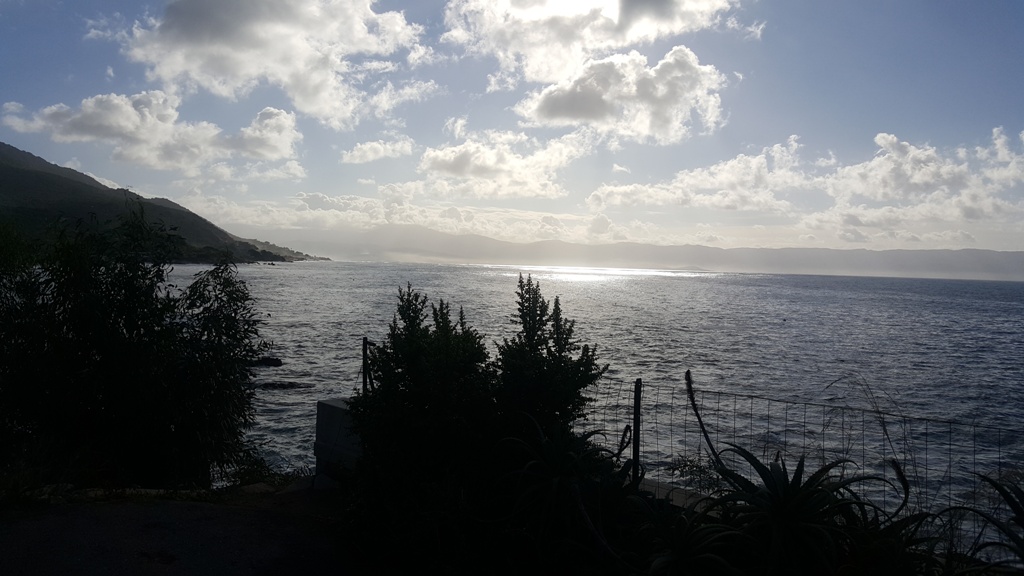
{"type": "Point", "coordinates": [597, 274]}
{"type": "Point", "coordinates": [943, 349]}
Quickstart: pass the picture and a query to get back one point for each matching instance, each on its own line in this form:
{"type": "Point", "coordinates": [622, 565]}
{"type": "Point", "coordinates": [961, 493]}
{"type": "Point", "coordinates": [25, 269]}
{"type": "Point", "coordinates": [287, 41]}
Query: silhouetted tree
{"type": "Point", "coordinates": [109, 375]}
{"type": "Point", "coordinates": [432, 388]}
{"type": "Point", "coordinates": [544, 371]}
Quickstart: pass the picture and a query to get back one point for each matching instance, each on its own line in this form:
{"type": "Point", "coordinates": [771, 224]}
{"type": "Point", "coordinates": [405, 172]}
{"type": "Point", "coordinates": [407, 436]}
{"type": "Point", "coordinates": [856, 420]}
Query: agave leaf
{"type": "Point", "coordinates": [844, 484]}
{"type": "Point", "coordinates": [738, 481]}
{"type": "Point", "coordinates": [822, 472]}
{"type": "Point", "coordinates": [798, 473]}
{"type": "Point", "coordinates": [763, 471]}
{"type": "Point", "coordinates": [1012, 495]}
{"type": "Point", "coordinates": [780, 477]}
{"type": "Point", "coordinates": [1014, 536]}
{"type": "Point", "coordinates": [904, 484]}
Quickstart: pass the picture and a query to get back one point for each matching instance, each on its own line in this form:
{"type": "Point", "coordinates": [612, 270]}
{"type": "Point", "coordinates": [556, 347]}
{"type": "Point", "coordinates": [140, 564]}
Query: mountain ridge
{"type": "Point", "coordinates": [406, 242]}
{"type": "Point", "coordinates": [35, 195]}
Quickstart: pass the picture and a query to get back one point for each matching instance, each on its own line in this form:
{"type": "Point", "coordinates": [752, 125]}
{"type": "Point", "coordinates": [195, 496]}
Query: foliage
{"type": "Point", "coordinates": [431, 388]}
{"type": "Point", "coordinates": [490, 440]}
{"type": "Point", "coordinates": [433, 380]}
{"type": "Point", "coordinates": [544, 370]}
{"type": "Point", "coordinates": [505, 485]}
{"type": "Point", "coordinates": [692, 540]}
{"type": "Point", "coordinates": [109, 375]}
{"type": "Point", "coordinates": [564, 496]}
{"type": "Point", "coordinates": [817, 522]}
{"type": "Point", "coordinates": [696, 472]}
{"type": "Point", "coordinates": [1010, 531]}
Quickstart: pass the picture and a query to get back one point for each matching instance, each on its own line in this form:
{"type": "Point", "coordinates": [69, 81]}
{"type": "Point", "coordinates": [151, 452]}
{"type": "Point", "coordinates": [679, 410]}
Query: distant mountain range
{"type": "Point", "coordinates": [35, 195]}
{"type": "Point", "coordinates": [415, 243]}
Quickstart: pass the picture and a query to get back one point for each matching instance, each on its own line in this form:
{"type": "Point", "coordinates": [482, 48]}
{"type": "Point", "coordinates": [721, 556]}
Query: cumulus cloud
{"type": "Point", "coordinates": [502, 164]}
{"type": "Point", "coordinates": [271, 135]}
{"type": "Point", "coordinates": [319, 52]}
{"type": "Point", "coordinates": [621, 95]}
{"type": "Point", "coordinates": [909, 183]}
{"type": "Point", "coordinates": [906, 193]}
{"type": "Point", "coordinates": [144, 129]}
{"type": "Point", "coordinates": [369, 151]}
{"type": "Point", "coordinates": [600, 225]}
{"type": "Point", "coordinates": [313, 211]}
{"type": "Point", "coordinates": [852, 235]}
{"type": "Point", "coordinates": [548, 40]}
{"type": "Point", "coordinates": [390, 97]}
{"type": "Point", "coordinates": [742, 183]}
{"type": "Point", "coordinates": [899, 172]}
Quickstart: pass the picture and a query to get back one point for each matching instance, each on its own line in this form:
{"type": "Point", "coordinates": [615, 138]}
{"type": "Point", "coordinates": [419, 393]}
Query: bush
{"type": "Point", "coordinates": [431, 390]}
{"type": "Point", "coordinates": [435, 390]}
{"type": "Point", "coordinates": [110, 376]}
{"type": "Point", "coordinates": [541, 373]}
{"type": "Point", "coordinates": [489, 443]}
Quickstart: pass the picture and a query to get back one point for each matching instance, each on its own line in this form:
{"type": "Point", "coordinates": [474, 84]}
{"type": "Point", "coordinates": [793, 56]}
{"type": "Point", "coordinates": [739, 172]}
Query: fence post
{"type": "Point", "coordinates": [366, 373]}
{"type": "Point", "coordinates": [637, 390]}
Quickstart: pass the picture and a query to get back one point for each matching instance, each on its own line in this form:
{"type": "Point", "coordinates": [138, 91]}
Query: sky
{"type": "Point", "coordinates": [728, 123]}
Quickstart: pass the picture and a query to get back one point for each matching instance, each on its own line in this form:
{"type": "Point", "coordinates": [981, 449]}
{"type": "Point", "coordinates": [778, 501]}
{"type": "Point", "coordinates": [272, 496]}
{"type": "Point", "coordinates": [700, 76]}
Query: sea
{"type": "Point", "coordinates": [940, 351]}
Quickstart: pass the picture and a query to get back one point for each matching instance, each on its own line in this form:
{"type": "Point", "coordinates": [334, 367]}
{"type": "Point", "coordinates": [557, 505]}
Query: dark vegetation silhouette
{"type": "Point", "coordinates": [473, 465]}
{"type": "Point", "coordinates": [109, 375]}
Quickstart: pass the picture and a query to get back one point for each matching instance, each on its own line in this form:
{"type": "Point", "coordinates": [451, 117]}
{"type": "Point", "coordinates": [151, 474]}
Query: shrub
{"type": "Point", "coordinates": [438, 408]}
{"type": "Point", "coordinates": [435, 390]}
{"type": "Point", "coordinates": [109, 375]}
{"type": "Point", "coordinates": [431, 391]}
{"type": "Point", "coordinates": [544, 371]}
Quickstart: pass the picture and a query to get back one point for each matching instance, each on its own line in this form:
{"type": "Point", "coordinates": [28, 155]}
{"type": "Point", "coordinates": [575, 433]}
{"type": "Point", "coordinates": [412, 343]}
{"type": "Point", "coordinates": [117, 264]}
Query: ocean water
{"type": "Point", "coordinates": [938, 349]}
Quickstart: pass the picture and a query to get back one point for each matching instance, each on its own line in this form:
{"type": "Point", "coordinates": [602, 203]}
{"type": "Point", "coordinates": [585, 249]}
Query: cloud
{"type": "Point", "coordinates": [909, 183]}
{"type": "Point", "coordinates": [321, 53]}
{"type": "Point", "coordinates": [749, 31]}
{"type": "Point", "coordinates": [369, 151]}
{"type": "Point", "coordinates": [747, 183]}
{"type": "Point", "coordinates": [389, 97]}
{"type": "Point", "coordinates": [502, 164]}
{"type": "Point", "coordinates": [951, 237]}
{"type": "Point", "coordinates": [600, 225]}
{"type": "Point", "coordinates": [899, 172]}
{"type": "Point", "coordinates": [852, 235]}
{"type": "Point", "coordinates": [144, 129]}
{"type": "Point", "coordinates": [320, 212]}
{"type": "Point", "coordinates": [622, 96]}
{"type": "Point", "coordinates": [906, 193]}
{"type": "Point", "coordinates": [549, 40]}
{"type": "Point", "coordinates": [270, 136]}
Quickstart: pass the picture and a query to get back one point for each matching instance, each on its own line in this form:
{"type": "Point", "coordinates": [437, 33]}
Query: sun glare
{"type": "Point", "coordinates": [593, 274]}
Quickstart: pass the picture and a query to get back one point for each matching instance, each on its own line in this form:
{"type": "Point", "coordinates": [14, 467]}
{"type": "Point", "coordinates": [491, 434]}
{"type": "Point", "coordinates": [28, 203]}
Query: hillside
{"type": "Point", "coordinates": [35, 195]}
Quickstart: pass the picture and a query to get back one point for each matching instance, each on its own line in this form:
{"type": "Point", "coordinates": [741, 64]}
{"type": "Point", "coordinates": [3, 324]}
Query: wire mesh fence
{"type": "Point", "coordinates": [941, 460]}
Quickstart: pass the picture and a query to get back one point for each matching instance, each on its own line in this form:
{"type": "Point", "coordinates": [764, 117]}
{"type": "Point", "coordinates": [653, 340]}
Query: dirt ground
{"type": "Point", "coordinates": [256, 531]}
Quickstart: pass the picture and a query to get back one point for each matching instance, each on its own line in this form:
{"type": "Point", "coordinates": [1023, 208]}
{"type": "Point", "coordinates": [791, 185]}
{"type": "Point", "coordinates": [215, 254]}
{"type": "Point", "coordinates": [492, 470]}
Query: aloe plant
{"type": "Point", "coordinates": [1011, 530]}
{"type": "Point", "coordinates": [816, 522]}
{"type": "Point", "coordinates": [798, 520]}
